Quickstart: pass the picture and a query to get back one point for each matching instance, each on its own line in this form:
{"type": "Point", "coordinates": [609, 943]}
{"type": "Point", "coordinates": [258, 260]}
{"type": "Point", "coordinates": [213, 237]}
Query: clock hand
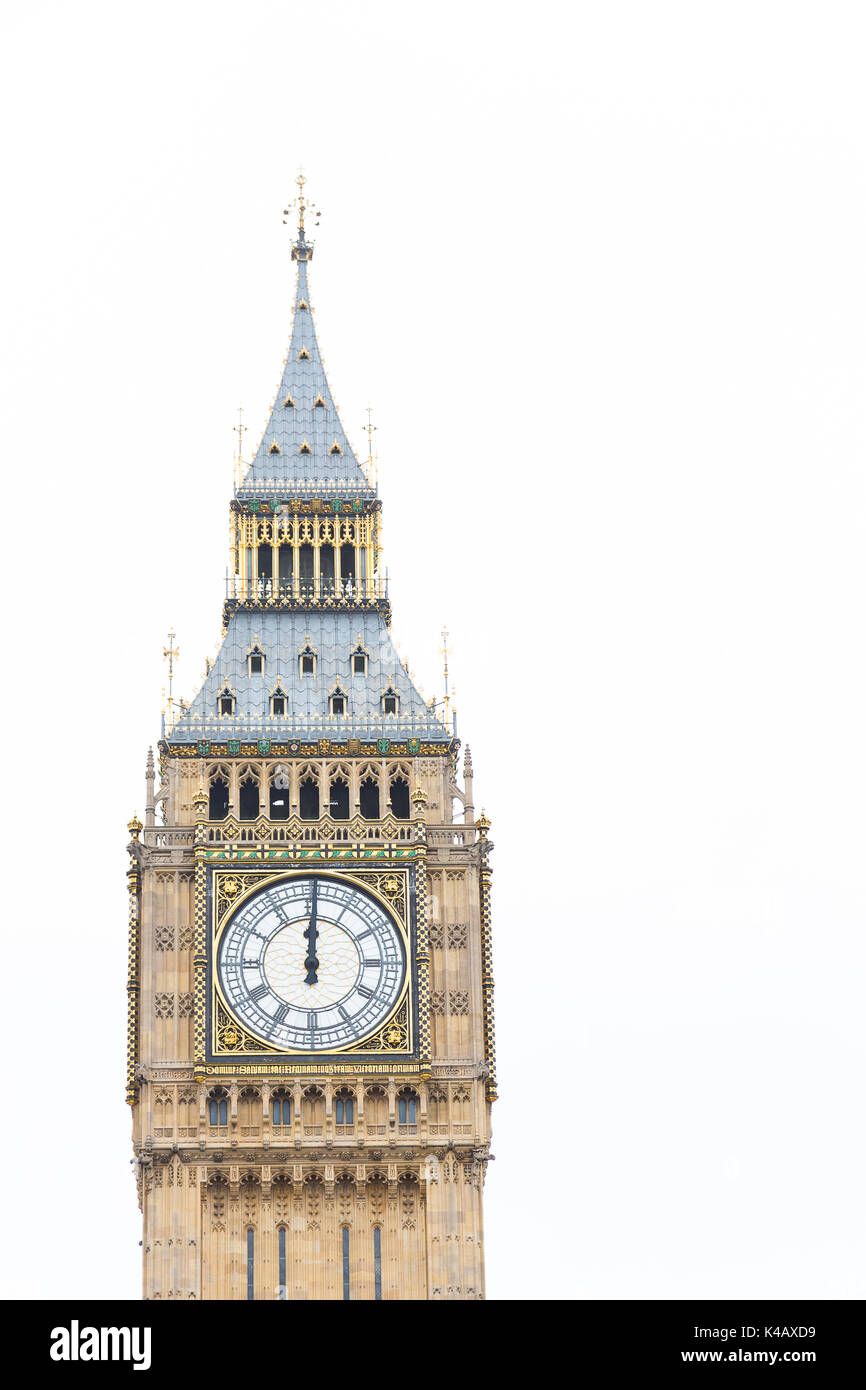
{"type": "Point", "coordinates": [311, 964]}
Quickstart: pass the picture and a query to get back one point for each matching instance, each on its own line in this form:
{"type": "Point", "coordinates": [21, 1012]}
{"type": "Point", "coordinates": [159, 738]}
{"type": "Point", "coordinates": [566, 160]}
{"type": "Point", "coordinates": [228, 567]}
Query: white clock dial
{"type": "Point", "coordinates": [311, 964]}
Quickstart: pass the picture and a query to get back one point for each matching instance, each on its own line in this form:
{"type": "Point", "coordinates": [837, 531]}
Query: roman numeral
{"type": "Point", "coordinates": [257, 993]}
{"type": "Point", "coordinates": [372, 960]}
{"type": "Point", "coordinates": [365, 992]}
{"type": "Point", "coordinates": [282, 1014]}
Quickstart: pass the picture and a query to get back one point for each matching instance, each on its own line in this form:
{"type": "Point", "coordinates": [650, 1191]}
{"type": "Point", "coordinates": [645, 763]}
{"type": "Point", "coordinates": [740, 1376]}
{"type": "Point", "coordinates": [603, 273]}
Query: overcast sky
{"type": "Point", "coordinates": [598, 269]}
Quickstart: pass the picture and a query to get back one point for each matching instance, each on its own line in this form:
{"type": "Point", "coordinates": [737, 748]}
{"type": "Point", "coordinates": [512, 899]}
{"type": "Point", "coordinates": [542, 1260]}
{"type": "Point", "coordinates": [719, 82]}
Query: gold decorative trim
{"type": "Point", "coordinates": [232, 886]}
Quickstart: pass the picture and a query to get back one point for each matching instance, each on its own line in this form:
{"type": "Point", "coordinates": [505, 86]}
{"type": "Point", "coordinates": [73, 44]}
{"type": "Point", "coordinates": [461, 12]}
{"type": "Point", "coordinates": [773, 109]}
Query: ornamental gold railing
{"type": "Point", "coordinates": [301, 590]}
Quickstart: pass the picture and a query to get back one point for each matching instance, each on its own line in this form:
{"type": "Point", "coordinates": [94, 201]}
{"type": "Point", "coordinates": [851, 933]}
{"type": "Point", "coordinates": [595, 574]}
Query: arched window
{"type": "Point", "coordinates": [281, 1111]}
{"type": "Point", "coordinates": [400, 798]}
{"type": "Point", "coordinates": [225, 701]}
{"type": "Point", "coordinates": [344, 1107]}
{"type": "Point", "coordinates": [266, 567]}
{"type": "Point", "coordinates": [249, 1111]}
{"type": "Point", "coordinates": [376, 1110]}
{"type": "Point", "coordinates": [286, 564]}
{"type": "Point", "coordinates": [347, 568]}
{"type": "Point", "coordinates": [313, 1110]}
{"type": "Point", "coordinates": [370, 798]}
{"type": "Point", "coordinates": [407, 1107]}
{"type": "Point", "coordinates": [306, 569]}
{"type": "Point", "coordinates": [339, 803]}
{"type": "Point", "coordinates": [377, 1262]}
{"type": "Point", "coordinates": [218, 797]}
{"type": "Point", "coordinates": [345, 1262]}
{"type": "Point", "coordinates": [309, 799]}
{"type": "Point", "coordinates": [279, 793]}
{"type": "Point", "coordinates": [248, 799]}
{"type": "Point", "coordinates": [326, 569]}
{"type": "Point", "coordinates": [218, 1106]}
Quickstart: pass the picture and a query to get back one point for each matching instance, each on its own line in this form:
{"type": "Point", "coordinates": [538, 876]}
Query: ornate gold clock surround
{"type": "Point", "coordinates": [228, 1042]}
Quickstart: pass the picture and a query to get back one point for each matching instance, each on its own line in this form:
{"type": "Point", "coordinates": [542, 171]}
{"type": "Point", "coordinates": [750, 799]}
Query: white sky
{"type": "Point", "coordinates": [599, 270]}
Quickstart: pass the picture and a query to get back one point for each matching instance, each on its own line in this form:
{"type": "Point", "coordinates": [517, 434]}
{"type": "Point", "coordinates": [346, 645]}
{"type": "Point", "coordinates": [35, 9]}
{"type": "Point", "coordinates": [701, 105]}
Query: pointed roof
{"type": "Point", "coordinates": [333, 638]}
{"type": "Point", "coordinates": [304, 449]}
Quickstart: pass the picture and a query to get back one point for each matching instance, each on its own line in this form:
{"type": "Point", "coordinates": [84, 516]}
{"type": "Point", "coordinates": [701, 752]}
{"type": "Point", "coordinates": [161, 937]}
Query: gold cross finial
{"type": "Point", "coordinates": [170, 653]}
{"type": "Point", "coordinates": [370, 430]}
{"type": "Point", "coordinates": [445, 655]}
{"type": "Point", "coordinates": [302, 205]}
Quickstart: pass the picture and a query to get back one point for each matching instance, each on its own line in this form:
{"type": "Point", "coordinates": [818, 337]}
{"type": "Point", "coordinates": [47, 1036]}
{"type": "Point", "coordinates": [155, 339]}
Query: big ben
{"type": "Point", "coordinates": [310, 1050]}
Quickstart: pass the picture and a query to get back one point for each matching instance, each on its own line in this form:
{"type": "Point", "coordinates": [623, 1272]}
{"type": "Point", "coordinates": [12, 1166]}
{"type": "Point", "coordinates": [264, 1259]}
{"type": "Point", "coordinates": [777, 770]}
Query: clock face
{"type": "Point", "coordinates": [311, 964]}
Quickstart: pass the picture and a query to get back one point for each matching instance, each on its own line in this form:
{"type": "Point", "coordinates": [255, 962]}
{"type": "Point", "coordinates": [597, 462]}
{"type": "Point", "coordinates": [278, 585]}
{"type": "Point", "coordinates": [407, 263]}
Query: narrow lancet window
{"type": "Point", "coordinates": [281, 1276]}
{"type": "Point", "coordinates": [250, 1264]}
{"type": "Point", "coordinates": [345, 1262]}
{"type": "Point", "coordinates": [377, 1262]}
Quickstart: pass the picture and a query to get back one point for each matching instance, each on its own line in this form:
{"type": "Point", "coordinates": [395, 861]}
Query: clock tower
{"type": "Point", "coordinates": [310, 1049]}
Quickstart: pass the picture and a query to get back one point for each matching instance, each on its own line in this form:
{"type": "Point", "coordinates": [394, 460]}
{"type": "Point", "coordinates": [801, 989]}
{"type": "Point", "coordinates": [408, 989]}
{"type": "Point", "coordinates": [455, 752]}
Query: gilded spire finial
{"type": "Point", "coordinates": [301, 205]}
{"type": "Point", "coordinates": [170, 653]}
{"type": "Point", "coordinates": [445, 661]}
{"type": "Point", "coordinates": [239, 430]}
{"type": "Point", "coordinates": [370, 430]}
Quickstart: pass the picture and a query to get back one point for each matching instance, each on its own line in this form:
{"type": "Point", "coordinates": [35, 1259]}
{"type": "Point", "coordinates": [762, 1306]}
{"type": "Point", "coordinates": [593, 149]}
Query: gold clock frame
{"type": "Point", "coordinates": [234, 884]}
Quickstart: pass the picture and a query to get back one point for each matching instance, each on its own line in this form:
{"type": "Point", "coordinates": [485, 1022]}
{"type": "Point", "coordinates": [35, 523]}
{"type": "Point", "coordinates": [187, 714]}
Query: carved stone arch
{"type": "Point", "coordinates": [250, 1110]}
{"type": "Point", "coordinates": [398, 769]}
{"type": "Point", "coordinates": [408, 1196]}
{"type": "Point", "coordinates": [217, 1200]}
{"type": "Point", "coordinates": [313, 1108]}
{"type": "Point", "coordinates": [377, 1195]}
{"type": "Point", "coordinates": [345, 1192]}
{"type": "Point", "coordinates": [249, 784]}
{"type": "Point", "coordinates": [408, 1106]}
{"type": "Point", "coordinates": [282, 1191]}
{"type": "Point", "coordinates": [376, 1109]}
{"type": "Point", "coordinates": [399, 782]}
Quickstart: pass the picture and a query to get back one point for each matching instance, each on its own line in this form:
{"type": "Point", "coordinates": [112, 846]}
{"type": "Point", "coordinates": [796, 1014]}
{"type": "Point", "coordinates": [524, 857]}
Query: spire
{"type": "Point", "coordinates": [304, 449]}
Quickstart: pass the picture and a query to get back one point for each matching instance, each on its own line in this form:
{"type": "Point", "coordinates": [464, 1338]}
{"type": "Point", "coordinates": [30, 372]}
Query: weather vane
{"type": "Point", "coordinates": [301, 204]}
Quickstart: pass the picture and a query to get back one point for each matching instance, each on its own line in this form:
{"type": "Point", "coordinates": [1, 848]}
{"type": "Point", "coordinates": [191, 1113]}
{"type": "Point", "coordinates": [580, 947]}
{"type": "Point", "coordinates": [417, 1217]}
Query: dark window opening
{"type": "Point", "coordinates": [326, 561]}
{"type": "Point", "coordinates": [278, 704]}
{"type": "Point", "coordinates": [227, 704]}
{"type": "Point", "coordinates": [339, 799]}
{"type": "Point", "coordinates": [407, 1110]}
{"type": "Point", "coordinates": [309, 800]}
{"type": "Point", "coordinates": [390, 704]}
{"type": "Point", "coordinates": [338, 704]}
{"type": "Point", "coordinates": [266, 562]}
{"type": "Point", "coordinates": [281, 1110]}
{"type": "Point", "coordinates": [345, 1111]}
{"type": "Point", "coordinates": [257, 664]}
{"type": "Point", "coordinates": [218, 1108]}
{"type": "Point", "coordinates": [347, 561]}
{"type": "Point", "coordinates": [249, 800]}
{"type": "Point", "coordinates": [308, 664]}
{"type": "Point", "coordinates": [279, 799]}
{"type": "Point", "coordinates": [359, 664]}
{"type": "Point", "coordinates": [400, 798]}
{"type": "Point", "coordinates": [218, 800]}
{"type": "Point", "coordinates": [370, 799]}
{"type": "Point", "coordinates": [306, 561]}
{"type": "Point", "coordinates": [285, 562]}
